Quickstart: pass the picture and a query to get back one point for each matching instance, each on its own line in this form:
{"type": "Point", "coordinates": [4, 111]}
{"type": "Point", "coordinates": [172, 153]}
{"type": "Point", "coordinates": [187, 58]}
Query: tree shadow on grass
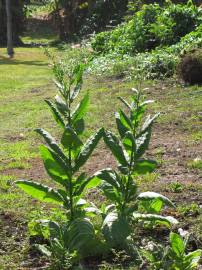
{"type": "Point", "coordinates": [7, 61]}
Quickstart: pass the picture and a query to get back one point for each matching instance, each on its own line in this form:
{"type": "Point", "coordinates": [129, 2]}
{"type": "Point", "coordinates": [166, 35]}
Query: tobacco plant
{"type": "Point", "coordinates": [173, 256]}
{"type": "Point", "coordinates": [127, 205]}
{"type": "Point", "coordinates": [63, 160]}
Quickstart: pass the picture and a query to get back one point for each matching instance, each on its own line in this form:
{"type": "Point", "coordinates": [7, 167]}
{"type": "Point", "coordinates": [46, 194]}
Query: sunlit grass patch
{"type": "Point", "coordinates": [195, 164]}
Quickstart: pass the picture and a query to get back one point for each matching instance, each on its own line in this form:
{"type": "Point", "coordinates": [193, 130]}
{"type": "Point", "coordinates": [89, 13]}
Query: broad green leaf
{"type": "Point", "coordinates": [125, 120]}
{"type": "Point", "coordinates": [136, 115]}
{"type": "Point", "coordinates": [129, 142]}
{"type": "Point", "coordinates": [192, 259]}
{"type": "Point", "coordinates": [116, 148]}
{"type": "Point", "coordinates": [55, 166]}
{"type": "Point", "coordinates": [177, 244]}
{"type": "Point", "coordinates": [111, 193]}
{"type": "Point", "coordinates": [40, 192]}
{"type": "Point", "coordinates": [157, 219]}
{"type": "Point", "coordinates": [143, 143]}
{"type": "Point", "coordinates": [80, 109]}
{"type": "Point", "coordinates": [115, 229]}
{"type": "Point", "coordinates": [88, 183]}
{"type": "Point", "coordinates": [109, 176]}
{"type": "Point", "coordinates": [122, 129]}
{"type": "Point", "coordinates": [87, 149]}
{"type": "Point", "coordinates": [61, 105]}
{"type": "Point", "coordinates": [148, 196]}
{"type": "Point", "coordinates": [52, 143]}
{"type": "Point", "coordinates": [152, 206]}
{"type": "Point", "coordinates": [79, 126]}
{"type": "Point", "coordinates": [80, 232]}
{"type": "Point", "coordinates": [57, 116]}
{"type": "Point", "coordinates": [70, 140]}
{"type": "Point", "coordinates": [144, 166]}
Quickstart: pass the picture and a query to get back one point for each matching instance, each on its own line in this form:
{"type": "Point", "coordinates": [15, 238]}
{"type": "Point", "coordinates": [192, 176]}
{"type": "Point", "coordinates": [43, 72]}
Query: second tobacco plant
{"type": "Point", "coordinates": [127, 205]}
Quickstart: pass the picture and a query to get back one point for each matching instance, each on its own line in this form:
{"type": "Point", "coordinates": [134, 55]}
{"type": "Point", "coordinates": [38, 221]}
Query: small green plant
{"type": "Point", "coordinates": [176, 187]}
{"type": "Point", "coordinates": [127, 205]}
{"type": "Point", "coordinates": [195, 164]}
{"type": "Point", "coordinates": [62, 160]}
{"type": "Point", "coordinates": [172, 257]}
{"type": "Point", "coordinates": [189, 210]}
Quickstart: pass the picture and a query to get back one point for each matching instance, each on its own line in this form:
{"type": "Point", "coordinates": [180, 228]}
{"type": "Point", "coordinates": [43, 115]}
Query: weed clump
{"type": "Point", "coordinates": [190, 67]}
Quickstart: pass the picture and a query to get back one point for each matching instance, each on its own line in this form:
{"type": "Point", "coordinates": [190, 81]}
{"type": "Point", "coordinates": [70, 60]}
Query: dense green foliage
{"type": "Point", "coordinates": [143, 46]}
{"type": "Point", "coordinates": [150, 27]}
{"type": "Point", "coordinates": [154, 64]}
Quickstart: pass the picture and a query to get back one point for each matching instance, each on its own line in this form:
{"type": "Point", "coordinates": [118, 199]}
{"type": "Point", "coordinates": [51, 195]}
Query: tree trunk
{"type": "Point", "coordinates": [17, 21]}
{"type": "Point", "coordinates": [10, 50]}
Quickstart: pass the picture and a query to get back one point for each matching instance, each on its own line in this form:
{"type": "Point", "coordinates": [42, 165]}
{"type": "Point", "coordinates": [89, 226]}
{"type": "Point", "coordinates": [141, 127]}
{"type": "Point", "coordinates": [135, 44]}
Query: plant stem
{"type": "Point", "coordinates": [70, 159]}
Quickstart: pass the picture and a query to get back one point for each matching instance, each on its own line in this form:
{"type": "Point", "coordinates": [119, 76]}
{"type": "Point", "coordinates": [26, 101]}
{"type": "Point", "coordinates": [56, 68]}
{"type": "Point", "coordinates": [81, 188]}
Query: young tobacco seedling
{"type": "Point", "coordinates": [63, 161]}
{"type": "Point", "coordinates": [173, 256]}
{"type": "Point", "coordinates": [120, 187]}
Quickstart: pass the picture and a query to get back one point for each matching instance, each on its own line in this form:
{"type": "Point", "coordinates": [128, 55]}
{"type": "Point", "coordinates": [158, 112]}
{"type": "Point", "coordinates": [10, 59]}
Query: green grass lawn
{"type": "Point", "coordinates": [24, 83]}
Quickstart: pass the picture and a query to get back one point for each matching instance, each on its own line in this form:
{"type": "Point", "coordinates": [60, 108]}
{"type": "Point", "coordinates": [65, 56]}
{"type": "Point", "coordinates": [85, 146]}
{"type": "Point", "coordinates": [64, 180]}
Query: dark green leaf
{"type": "Point", "coordinates": [136, 115]}
{"type": "Point", "coordinates": [143, 143]}
{"type": "Point", "coordinates": [80, 232]}
{"type": "Point", "coordinates": [84, 184]}
{"type": "Point", "coordinates": [125, 120]}
{"type": "Point", "coordinates": [61, 105]}
{"type": "Point", "coordinates": [55, 166]}
{"type": "Point", "coordinates": [111, 193]}
{"type": "Point", "coordinates": [109, 176]}
{"type": "Point", "coordinates": [79, 126]}
{"type": "Point", "coordinates": [70, 140]}
{"type": "Point", "coordinates": [122, 129]}
{"type": "Point", "coordinates": [129, 142]}
{"type": "Point", "coordinates": [115, 229]}
{"type": "Point", "coordinates": [40, 192]}
{"type": "Point", "coordinates": [80, 109]}
{"type": "Point", "coordinates": [115, 146]}
{"type": "Point", "coordinates": [87, 149]}
{"type": "Point", "coordinates": [57, 116]}
{"type": "Point", "coordinates": [52, 143]}
{"type": "Point", "coordinates": [144, 166]}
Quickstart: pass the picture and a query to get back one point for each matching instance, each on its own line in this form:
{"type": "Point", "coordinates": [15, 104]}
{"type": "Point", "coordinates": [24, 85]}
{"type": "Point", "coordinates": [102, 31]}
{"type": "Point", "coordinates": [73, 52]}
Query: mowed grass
{"type": "Point", "coordinates": [25, 82]}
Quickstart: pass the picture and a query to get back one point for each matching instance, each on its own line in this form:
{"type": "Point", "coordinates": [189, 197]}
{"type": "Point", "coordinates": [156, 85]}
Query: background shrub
{"type": "Point", "coordinates": [150, 27]}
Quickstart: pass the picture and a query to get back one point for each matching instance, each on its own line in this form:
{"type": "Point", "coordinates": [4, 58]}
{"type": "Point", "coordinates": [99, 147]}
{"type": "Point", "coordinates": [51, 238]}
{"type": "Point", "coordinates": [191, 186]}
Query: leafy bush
{"type": "Point", "coordinates": [150, 27]}
{"type": "Point", "coordinates": [158, 63]}
{"type": "Point", "coordinates": [190, 67]}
